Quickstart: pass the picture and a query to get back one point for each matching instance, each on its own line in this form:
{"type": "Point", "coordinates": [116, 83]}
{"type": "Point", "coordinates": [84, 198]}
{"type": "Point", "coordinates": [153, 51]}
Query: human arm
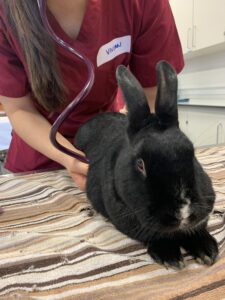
{"type": "Point", "coordinates": [34, 129]}
{"type": "Point", "coordinates": [150, 93]}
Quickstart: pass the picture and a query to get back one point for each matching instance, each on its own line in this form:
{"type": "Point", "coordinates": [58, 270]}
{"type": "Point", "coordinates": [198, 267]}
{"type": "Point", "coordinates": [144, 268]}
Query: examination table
{"type": "Point", "coordinates": [52, 246]}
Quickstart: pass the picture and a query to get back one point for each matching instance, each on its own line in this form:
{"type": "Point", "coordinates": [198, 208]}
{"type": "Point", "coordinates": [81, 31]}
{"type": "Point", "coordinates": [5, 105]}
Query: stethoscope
{"type": "Point", "coordinates": [80, 97]}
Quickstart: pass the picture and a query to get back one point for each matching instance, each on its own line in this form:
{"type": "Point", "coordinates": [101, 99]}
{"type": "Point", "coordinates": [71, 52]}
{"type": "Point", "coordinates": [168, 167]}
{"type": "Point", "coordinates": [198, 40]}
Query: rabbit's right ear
{"type": "Point", "coordinates": [134, 96]}
{"type": "Point", "coordinates": [166, 99]}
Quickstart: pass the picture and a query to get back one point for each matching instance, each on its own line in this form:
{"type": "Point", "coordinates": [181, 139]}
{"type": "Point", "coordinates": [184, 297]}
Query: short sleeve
{"type": "Point", "coordinates": [13, 77]}
{"type": "Point", "coordinates": [157, 40]}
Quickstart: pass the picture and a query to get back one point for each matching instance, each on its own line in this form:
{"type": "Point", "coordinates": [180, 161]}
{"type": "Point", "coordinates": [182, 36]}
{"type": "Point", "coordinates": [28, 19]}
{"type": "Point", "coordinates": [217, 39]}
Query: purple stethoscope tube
{"type": "Point", "coordinates": [80, 97]}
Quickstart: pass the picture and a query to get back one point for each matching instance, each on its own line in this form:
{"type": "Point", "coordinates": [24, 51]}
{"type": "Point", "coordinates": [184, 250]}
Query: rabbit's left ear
{"type": "Point", "coordinates": [166, 99]}
{"type": "Point", "coordinates": [134, 96]}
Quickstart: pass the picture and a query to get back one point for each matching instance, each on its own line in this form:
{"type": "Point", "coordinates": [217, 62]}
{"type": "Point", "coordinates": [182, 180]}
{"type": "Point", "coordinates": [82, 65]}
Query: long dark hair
{"type": "Point", "coordinates": [39, 52]}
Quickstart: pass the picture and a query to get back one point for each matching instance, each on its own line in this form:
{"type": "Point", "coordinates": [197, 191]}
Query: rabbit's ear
{"type": "Point", "coordinates": [166, 100]}
{"type": "Point", "coordinates": [134, 96]}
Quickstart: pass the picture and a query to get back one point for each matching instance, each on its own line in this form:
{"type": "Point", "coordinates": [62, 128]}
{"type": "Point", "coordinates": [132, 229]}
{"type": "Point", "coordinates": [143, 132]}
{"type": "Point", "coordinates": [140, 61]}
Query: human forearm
{"type": "Point", "coordinates": [151, 97]}
{"type": "Point", "coordinates": [34, 129]}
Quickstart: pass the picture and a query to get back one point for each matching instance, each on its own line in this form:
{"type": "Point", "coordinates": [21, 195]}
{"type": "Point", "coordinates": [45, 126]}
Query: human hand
{"type": "Point", "coordinates": [78, 171]}
{"type": "Point", "coordinates": [123, 110]}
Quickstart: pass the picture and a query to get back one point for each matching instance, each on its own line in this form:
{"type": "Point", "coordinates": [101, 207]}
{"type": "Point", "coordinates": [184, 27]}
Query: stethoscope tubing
{"type": "Point", "coordinates": [82, 94]}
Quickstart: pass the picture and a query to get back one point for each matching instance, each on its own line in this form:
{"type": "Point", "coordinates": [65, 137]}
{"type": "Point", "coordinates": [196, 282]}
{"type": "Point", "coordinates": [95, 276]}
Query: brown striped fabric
{"type": "Point", "coordinates": [53, 247]}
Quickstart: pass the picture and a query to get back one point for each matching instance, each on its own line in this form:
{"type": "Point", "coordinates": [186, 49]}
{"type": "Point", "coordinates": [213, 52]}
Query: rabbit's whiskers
{"type": "Point", "coordinates": [141, 232]}
{"type": "Point", "coordinates": [130, 213]}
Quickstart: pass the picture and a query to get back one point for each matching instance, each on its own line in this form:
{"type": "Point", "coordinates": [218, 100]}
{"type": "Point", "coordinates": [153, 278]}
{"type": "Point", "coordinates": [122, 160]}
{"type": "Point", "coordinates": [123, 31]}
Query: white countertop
{"type": "Point", "coordinates": [204, 102]}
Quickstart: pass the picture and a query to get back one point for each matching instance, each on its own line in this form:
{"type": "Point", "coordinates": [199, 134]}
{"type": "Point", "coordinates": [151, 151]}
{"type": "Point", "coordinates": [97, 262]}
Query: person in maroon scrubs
{"type": "Point", "coordinates": [38, 78]}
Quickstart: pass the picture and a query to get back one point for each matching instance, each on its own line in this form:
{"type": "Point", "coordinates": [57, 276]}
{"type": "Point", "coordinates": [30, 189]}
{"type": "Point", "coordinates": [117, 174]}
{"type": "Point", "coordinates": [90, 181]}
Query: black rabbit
{"type": "Point", "coordinates": [144, 176]}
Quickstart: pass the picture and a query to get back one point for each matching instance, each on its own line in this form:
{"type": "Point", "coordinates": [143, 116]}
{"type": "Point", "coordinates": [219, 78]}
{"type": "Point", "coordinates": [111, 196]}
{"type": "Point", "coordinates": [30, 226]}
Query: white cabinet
{"type": "Point", "coordinates": [200, 23]}
{"type": "Point", "coordinates": [183, 14]}
{"type": "Point", "coordinates": [203, 125]}
{"type": "Point", "coordinates": [183, 120]}
{"type": "Point", "coordinates": [209, 23]}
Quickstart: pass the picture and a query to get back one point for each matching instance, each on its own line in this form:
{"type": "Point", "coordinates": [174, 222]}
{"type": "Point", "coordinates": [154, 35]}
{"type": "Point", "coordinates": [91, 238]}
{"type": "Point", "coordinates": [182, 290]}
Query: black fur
{"type": "Point", "coordinates": [143, 170]}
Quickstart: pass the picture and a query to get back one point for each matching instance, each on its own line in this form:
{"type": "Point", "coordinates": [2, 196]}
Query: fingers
{"type": "Point", "coordinates": [78, 171]}
{"type": "Point", "coordinates": [123, 110]}
{"type": "Point", "coordinates": [81, 168]}
{"type": "Point", "coordinates": [79, 180]}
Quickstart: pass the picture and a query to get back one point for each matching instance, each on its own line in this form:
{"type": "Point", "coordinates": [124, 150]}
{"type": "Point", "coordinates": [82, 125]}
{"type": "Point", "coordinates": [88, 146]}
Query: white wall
{"type": "Point", "coordinates": [203, 77]}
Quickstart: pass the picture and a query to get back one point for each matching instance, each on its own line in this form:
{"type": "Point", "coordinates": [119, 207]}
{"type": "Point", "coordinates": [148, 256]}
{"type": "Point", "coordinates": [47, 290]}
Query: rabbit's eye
{"type": "Point", "coordinates": [141, 166]}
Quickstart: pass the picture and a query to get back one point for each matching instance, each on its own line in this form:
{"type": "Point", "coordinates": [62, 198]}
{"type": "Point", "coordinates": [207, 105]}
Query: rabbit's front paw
{"type": "Point", "coordinates": [202, 246]}
{"type": "Point", "coordinates": [166, 252]}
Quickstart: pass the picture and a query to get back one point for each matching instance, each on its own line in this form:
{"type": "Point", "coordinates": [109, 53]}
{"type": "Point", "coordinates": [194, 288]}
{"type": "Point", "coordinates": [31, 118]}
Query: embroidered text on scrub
{"type": "Point", "coordinates": [116, 46]}
{"type": "Point", "coordinates": [113, 49]}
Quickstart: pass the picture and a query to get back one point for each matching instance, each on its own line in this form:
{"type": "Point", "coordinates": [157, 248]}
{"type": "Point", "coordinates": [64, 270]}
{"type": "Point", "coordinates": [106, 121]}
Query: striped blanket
{"type": "Point", "coordinates": [53, 247]}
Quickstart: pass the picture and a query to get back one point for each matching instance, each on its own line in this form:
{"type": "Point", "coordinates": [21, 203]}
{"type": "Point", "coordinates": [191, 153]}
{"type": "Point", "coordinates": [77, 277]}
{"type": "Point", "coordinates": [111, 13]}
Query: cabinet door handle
{"type": "Point", "coordinates": [189, 38]}
{"type": "Point", "coordinates": [194, 36]}
{"type": "Point", "coordinates": [220, 125]}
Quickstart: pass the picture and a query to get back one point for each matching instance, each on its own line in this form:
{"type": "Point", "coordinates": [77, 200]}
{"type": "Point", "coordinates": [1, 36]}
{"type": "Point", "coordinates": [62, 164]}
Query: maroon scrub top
{"type": "Point", "coordinates": [136, 33]}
